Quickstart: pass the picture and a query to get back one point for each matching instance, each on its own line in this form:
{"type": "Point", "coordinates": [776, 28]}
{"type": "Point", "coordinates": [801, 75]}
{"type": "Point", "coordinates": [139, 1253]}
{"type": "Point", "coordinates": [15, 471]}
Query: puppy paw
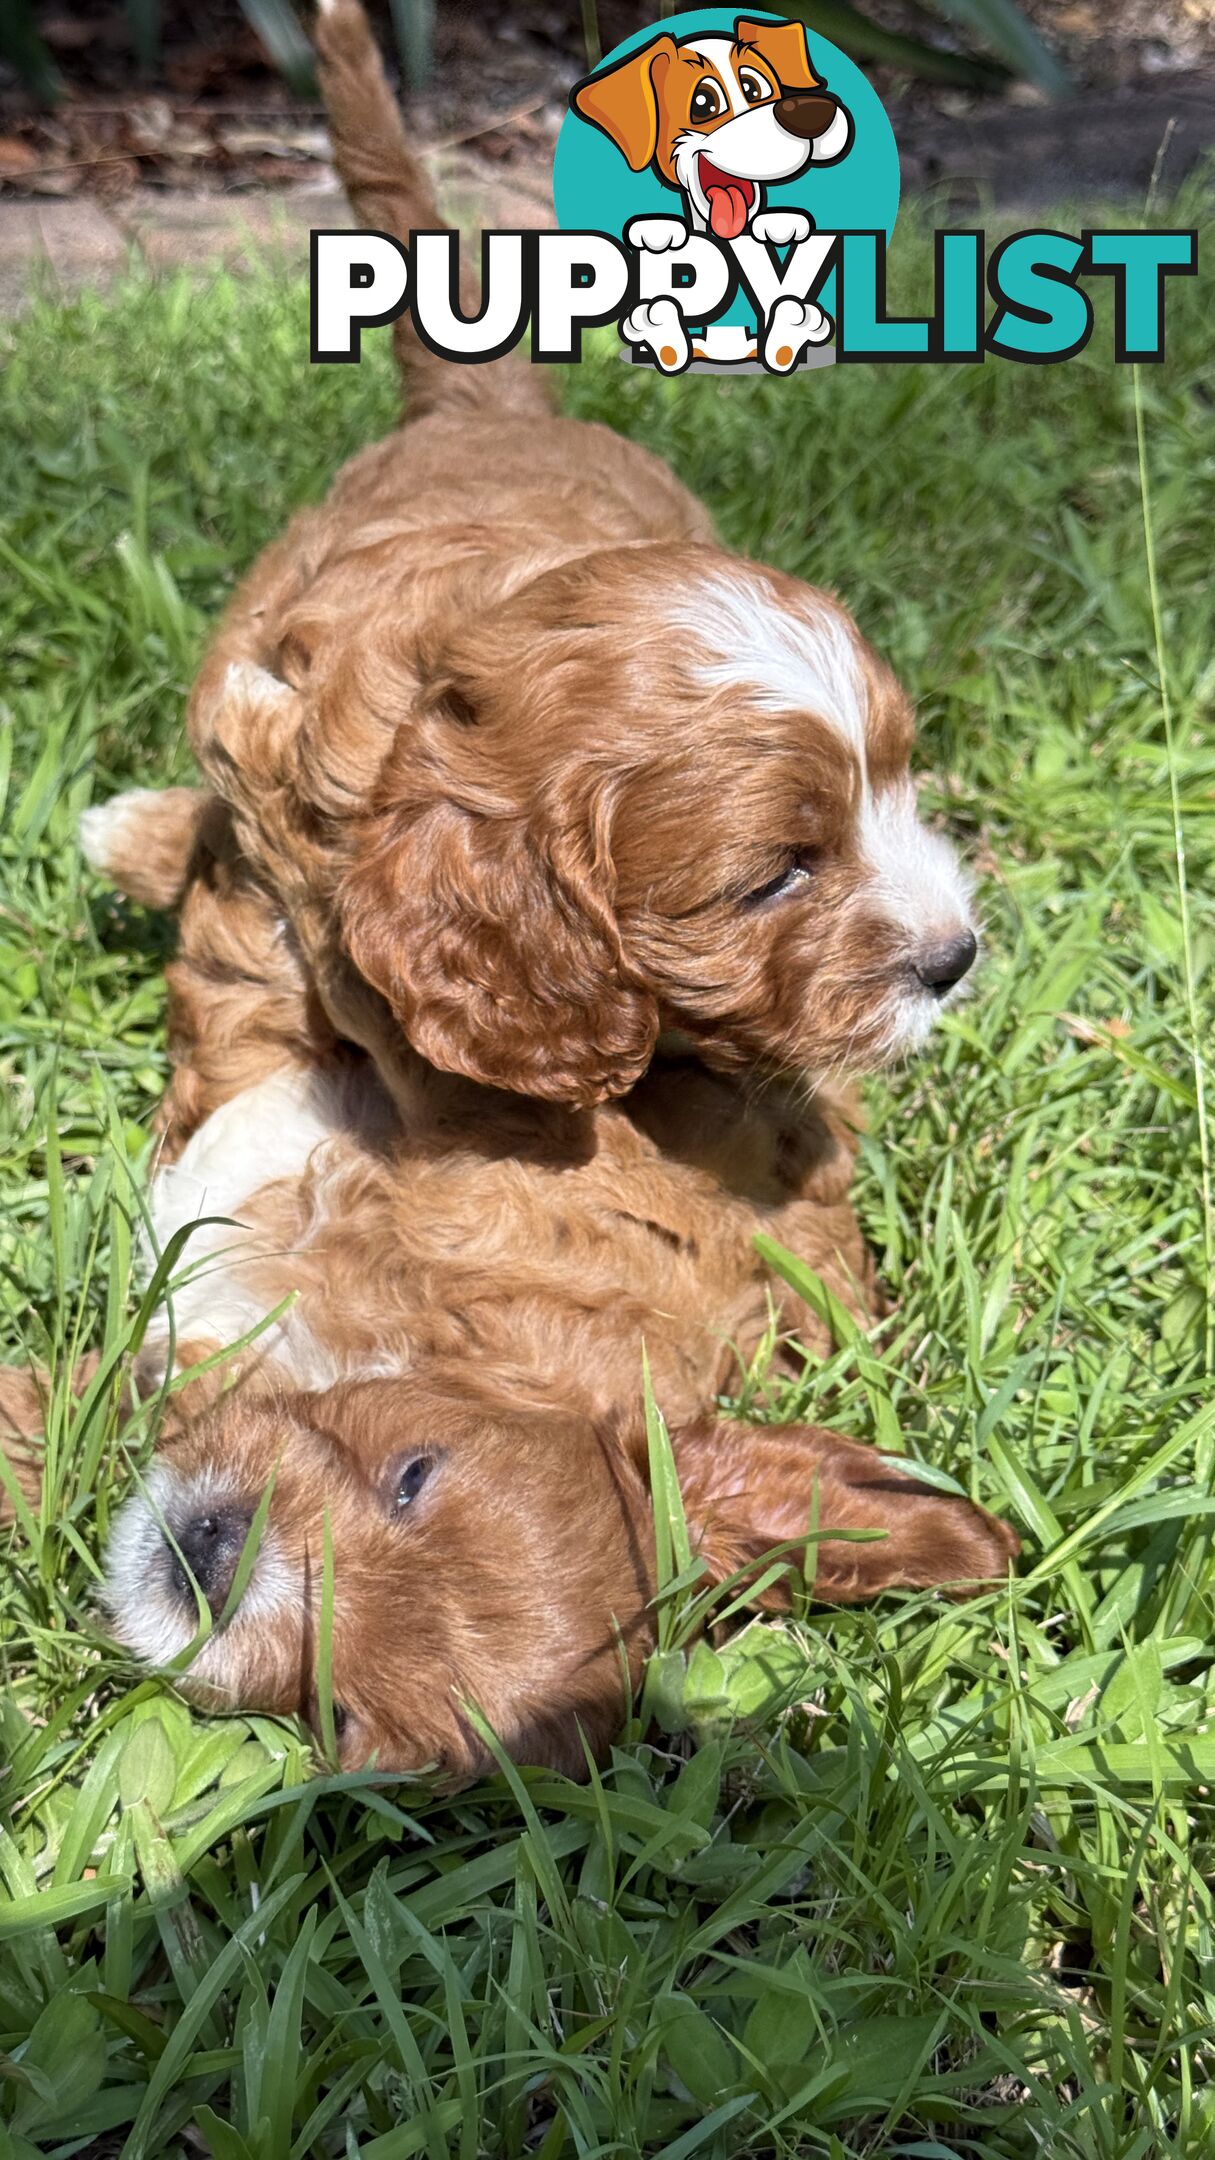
{"type": "Point", "coordinates": [111, 831]}
{"type": "Point", "coordinates": [792, 326]}
{"type": "Point", "coordinates": [658, 324]}
{"type": "Point", "coordinates": [145, 840]}
{"type": "Point", "coordinates": [784, 228]}
{"type": "Point", "coordinates": [656, 234]}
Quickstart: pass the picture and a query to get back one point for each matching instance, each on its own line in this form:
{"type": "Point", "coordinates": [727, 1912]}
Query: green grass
{"type": "Point", "coordinates": [952, 1897]}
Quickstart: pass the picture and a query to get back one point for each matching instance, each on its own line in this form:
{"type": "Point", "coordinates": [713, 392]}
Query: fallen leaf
{"type": "Point", "coordinates": [15, 157]}
{"type": "Point", "coordinates": [1096, 1032]}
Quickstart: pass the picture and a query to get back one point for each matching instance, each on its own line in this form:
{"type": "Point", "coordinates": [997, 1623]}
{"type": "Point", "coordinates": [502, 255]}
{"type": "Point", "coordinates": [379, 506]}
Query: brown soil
{"type": "Point", "coordinates": [217, 117]}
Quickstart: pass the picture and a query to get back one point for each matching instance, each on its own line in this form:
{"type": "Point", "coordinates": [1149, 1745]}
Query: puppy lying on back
{"type": "Point", "coordinates": [601, 843]}
{"type": "Point", "coordinates": [489, 1537]}
{"type": "Point", "coordinates": [486, 1549]}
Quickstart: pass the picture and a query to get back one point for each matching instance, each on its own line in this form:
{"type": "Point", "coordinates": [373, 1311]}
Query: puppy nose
{"type": "Point", "coordinates": [210, 1545]}
{"type": "Point", "coordinates": [806, 113]}
{"type": "Point", "coordinates": [942, 965]}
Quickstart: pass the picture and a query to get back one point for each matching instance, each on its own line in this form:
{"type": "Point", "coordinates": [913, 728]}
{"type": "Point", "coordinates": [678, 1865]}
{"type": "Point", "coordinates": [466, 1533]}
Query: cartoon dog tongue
{"type": "Point", "coordinates": [729, 200]}
{"type": "Point", "coordinates": [727, 211]}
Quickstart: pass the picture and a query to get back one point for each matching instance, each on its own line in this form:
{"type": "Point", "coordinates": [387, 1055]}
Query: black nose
{"type": "Point", "coordinates": [806, 113]}
{"type": "Point", "coordinates": [939, 967]}
{"type": "Point", "coordinates": [210, 1545]}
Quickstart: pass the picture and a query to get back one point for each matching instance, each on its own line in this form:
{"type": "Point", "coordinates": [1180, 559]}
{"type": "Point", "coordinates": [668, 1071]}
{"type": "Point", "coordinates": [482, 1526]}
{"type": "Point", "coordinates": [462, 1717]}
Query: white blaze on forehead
{"type": "Point", "coordinates": [148, 1610]}
{"type": "Point", "coordinates": [738, 635]}
{"type": "Point", "coordinates": [747, 141]}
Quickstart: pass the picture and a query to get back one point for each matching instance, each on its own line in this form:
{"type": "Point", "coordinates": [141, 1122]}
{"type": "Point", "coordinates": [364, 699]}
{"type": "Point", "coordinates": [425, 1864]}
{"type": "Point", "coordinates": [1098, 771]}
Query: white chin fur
{"type": "Point", "coordinates": [912, 1018]}
{"type": "Point", "coordinates": [146, 1609]}
{"type": "Point", "coordinates": [135, 1593]}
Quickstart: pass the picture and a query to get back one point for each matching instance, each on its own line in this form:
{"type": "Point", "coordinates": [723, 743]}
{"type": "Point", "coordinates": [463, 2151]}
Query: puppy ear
{"type": "Point", "coordinates": [623, 100]}
{"type": "Point", "coordinates": [745, 1491]}
{"type": "Point", "coordinates": [783, 45]}
{"type": "Point", "coordinates": [496, 950]}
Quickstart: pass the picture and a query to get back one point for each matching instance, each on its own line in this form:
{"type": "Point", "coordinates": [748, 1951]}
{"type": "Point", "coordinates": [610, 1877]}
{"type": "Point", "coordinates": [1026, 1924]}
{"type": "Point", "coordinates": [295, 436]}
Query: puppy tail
{"type": "Point", "coordinates": [389, 193]}
{"type": "Point", "coordinates": [146, 841]}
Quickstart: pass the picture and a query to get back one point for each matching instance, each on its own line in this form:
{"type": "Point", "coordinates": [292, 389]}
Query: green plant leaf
{"type": "Point", "coordinates": [277, 25]}
{"type": "Point", "coordinates": [1008, 31]}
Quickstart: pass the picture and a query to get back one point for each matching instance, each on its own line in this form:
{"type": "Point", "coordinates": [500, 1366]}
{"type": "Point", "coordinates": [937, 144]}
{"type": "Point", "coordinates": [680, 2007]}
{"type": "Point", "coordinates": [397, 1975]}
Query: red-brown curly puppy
{"type": "Point", "coordinates": [601, 842]}
{"type": "Point", "coordinates": [487, 1549]}
{"type": "Point", "coordinates": [539, 773]}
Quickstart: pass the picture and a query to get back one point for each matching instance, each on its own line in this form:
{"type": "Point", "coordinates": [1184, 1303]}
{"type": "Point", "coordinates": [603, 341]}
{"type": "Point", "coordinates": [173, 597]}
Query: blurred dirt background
{"type": "Point", "coordinates": [210, 150]}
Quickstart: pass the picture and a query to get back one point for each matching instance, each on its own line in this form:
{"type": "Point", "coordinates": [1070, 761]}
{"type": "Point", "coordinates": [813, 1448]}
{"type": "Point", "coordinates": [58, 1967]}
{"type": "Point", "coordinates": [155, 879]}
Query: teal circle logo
{"type": "Point", "coordinates": [737, 129]}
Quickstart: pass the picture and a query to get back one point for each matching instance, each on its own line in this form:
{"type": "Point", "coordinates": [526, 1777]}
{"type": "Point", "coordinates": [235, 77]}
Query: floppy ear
{"type": "Point", "coordinates": [498, 953]}
{"type": "Point", "coordinates": [745, 1491]}
{"type": "Point", "coordinates": [623, 100]}
{"type": "Point", "coordinates": [783, 45]}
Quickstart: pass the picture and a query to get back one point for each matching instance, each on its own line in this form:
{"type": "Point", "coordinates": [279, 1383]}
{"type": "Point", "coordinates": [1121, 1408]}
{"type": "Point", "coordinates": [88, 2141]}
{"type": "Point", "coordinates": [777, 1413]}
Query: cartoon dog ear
{"type": "Point", "coordinates": [494, 943]}
{"type": "Point", "coordinates": [783, 45]}
{"type": "Point", "coordinates": [623, 100]}
{"type": "Point", "coordinates": [745, 1491]}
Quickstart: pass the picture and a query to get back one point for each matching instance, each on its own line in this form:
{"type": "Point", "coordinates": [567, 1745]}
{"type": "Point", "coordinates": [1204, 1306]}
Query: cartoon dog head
{"type": "Point", "coordinates": [717, 117]}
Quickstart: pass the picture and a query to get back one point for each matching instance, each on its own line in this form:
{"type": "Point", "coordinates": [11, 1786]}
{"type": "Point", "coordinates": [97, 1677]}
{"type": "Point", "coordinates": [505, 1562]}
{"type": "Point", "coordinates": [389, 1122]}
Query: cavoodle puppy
{"type": "Point", "coordinates": [486, 1525]}
{"type": "Point", "coordinates": [487, 1549]}
{"type": "Point", "coordinates": [543, 778]}
{"type": "Point", "coordinates": [562, 863]}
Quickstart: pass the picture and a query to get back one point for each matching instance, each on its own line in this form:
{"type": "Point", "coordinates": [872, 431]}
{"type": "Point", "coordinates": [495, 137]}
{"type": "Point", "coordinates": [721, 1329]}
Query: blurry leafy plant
{"type": "Point", "coordinates": [278, 27]}
{"type": "Point", "coordinates": [1009, 44]}
{"type": "Point", "coordinates": [276, 22]}
{"type": "Point", "coordinates": [998, 27]}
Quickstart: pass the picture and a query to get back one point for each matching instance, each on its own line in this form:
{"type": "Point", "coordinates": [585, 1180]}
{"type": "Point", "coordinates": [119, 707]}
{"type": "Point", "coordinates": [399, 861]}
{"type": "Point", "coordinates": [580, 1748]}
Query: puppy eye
{"type": "Point", "coordinates": [707, 100]}
{"type": "Point", "coordinates": [794, 874]}
{"type": "Point", "coordinates": [753, 86]}
{"type": "Point", "coordinates": [413, 1476]}
{"type": "Point", "coordinates": [341, 1721]}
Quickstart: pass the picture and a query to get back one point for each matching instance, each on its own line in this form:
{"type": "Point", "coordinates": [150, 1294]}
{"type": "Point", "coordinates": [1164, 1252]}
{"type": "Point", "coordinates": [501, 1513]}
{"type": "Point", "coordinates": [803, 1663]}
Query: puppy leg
{"type": "Point", "coordinates": [146, 840]}
{"type": "Point", "coordinates": [745, 1491]}
{"type": "Point", "coordinates": [241, 1006]}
